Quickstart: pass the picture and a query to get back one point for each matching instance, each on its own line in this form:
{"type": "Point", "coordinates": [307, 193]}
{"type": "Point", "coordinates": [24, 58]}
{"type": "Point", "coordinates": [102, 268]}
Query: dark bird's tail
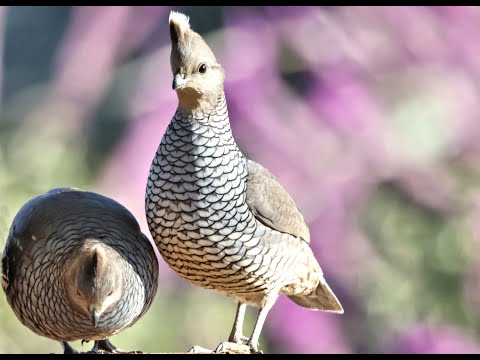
{"type": "Point", "coordinates": [322, 298]}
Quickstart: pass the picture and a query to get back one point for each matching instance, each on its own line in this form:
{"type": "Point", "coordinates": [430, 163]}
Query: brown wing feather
{"type": "Point", "coordinates": [272, 205]}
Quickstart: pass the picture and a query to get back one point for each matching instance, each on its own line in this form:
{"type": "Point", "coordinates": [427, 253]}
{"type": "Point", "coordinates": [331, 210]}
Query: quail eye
{"type": "Point", "coordinates": [111, 292]}
{"type": "Point", "coordinates": [202, 68]}
{"type": "Point", "coordinates": [78, 293]}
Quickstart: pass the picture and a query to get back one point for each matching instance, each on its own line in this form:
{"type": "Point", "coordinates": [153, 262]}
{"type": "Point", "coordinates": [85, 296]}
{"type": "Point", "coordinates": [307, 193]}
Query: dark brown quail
{"type": "Point", "coordinates": [219, 220]}
{"type": "Point", "coordinates": [77, 267]}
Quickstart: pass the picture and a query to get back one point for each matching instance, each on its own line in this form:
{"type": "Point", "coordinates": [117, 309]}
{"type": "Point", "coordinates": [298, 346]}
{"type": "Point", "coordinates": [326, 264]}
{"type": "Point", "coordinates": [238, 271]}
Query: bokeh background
{"type": "Point", "coordinates": [369, 117]}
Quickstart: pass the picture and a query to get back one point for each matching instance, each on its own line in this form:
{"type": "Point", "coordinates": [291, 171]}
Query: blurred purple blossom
{"type": "Point", "coordinates": [301, 331]}
{"type": "Point", "coordinates": [423, 339]}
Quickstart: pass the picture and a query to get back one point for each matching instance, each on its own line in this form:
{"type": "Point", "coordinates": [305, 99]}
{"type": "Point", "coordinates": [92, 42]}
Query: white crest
{"type": "Point", "coordinates": [179, 18]}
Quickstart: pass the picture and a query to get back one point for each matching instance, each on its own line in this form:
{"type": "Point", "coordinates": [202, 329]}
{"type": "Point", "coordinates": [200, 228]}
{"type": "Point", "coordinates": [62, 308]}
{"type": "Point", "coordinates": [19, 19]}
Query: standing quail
{"type": "Point", "coordinates": [219, 220]}
{"type": "Point", "coordinates": [77, 267]}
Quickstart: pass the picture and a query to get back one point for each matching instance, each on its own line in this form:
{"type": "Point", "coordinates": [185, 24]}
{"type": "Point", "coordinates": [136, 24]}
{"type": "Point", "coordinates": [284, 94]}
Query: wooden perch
{"type": "Point", "coordinates": [240, 349]}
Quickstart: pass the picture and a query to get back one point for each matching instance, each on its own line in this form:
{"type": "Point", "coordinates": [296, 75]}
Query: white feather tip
{"type": "Point", "coordinates": [179, 18]}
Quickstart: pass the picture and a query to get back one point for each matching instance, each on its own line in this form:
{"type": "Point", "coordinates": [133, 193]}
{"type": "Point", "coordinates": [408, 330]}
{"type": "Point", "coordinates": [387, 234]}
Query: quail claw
{"type": "Point", "coordinates": [228, 347]}
{"type": "Point", "coordinates": [199, 350]}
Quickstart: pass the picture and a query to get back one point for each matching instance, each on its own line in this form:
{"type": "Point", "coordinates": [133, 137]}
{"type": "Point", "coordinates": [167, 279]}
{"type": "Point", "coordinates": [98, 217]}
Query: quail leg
{"type": "Point", "coordinates": [236, 341]}
{"type": "Point", "coordinates": [236, 335]}
{"type": "Point", "coordinates": [107, 346]}
{"type": "Point", "coordinates": [262, 315]}
{"type": "Point", "coordinates": [67, 348]}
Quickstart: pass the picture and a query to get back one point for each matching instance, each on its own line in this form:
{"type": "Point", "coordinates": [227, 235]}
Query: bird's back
{"type": "Point", "coordinates": [46, 234]}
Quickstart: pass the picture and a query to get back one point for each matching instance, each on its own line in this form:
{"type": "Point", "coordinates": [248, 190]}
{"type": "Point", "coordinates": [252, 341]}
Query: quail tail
{"type": "Point", "coordinates": [322, 299]}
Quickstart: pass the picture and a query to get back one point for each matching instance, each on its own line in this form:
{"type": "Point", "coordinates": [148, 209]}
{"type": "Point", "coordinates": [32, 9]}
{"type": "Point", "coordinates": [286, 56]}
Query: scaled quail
{"type": "Point", "coordinates": [220, 220]}
{"type": "Point", "coordinates": [77, 267]}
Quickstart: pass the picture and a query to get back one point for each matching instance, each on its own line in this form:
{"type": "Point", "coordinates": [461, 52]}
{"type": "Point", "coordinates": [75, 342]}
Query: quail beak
{"type": "Point", "coordinates": [179, 81]}
{"type": "Point", "coordinates": [94, 317]}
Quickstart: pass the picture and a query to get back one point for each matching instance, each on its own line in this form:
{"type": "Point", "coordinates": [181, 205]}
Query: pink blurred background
{"type": "Point", "coordinates": [369, 117]}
